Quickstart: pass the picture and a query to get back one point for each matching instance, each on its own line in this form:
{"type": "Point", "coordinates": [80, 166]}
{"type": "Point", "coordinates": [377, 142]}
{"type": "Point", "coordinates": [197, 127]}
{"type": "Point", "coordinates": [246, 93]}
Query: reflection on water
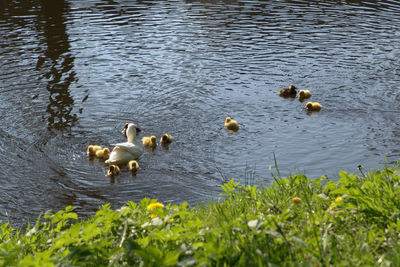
{"type": "Point", "coordinates": [73, 72]}
{"type": "Point", "coordinates": [57, 63]}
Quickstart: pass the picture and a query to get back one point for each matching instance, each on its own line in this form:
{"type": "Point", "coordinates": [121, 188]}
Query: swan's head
{"type": "Point", "coordinates": [130, 130]}
{"type": "Point", "coordinates": [302, 93]}
{"type": "Point", "coordinates": [228, 120]}
{"type": "Point", "coordinates": [153, 139]}
{"type": "Point", "coordinates": [309, 105]}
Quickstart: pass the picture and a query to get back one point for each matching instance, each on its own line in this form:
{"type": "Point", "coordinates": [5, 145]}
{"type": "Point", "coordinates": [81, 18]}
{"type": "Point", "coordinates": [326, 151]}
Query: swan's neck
{"type": "Point", "coordinates": [131, 138]}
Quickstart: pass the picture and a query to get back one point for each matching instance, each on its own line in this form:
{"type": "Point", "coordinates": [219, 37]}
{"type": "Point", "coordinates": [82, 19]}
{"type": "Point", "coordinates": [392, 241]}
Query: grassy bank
{"type": "Point", "coordinates": [294, 221]}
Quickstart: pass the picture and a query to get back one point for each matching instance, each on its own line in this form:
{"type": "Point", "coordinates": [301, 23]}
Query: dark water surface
{"type": "Point", "coordinates": [73, 72]}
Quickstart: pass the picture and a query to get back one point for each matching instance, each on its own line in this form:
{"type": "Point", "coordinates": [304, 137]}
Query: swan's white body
{"type": "Point", "coordinates": [130, 150]}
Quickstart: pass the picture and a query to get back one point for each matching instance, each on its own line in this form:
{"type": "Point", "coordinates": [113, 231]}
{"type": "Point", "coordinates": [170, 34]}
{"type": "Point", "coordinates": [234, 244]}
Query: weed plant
{"type": "Point", "coordinates": [295, 221]}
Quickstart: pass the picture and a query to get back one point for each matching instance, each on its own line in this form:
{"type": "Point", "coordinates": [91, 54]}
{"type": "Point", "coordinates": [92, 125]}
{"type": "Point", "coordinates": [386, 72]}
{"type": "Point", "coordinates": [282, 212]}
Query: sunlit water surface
{"type": "Point", "coordinates": [73, 72]}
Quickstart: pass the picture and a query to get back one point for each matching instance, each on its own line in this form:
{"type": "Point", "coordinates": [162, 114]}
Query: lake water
{"type": "Point", "coordinates": [73, 72]}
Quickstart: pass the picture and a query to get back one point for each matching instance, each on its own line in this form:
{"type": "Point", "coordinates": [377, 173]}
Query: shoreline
{"type": "Point", "coordinates": [292, 221]}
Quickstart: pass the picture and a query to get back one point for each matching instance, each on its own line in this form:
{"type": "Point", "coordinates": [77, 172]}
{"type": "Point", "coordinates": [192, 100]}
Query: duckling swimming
{"type": "Point", "coordinates": [92, 149]}
{"type": "Point", "coordinates": [133, 165]}
{"type": "Point", "coordinates": [317, 106]}
{"type": "Point", "coordinates": [113, 170]}
{"type": "Point", "coordinates": [288, 92]}
{"type": "Point", "coordinates": [231, 125]}
{"type": "Point", "coordinates": [304, 94]}
{"type": "Point", "coordinates": [165, 139]}
{"type": "Point", "coordinates": [106, 152]}
{"type": "Point", "coordinates": [103, 153]}
{"type": "Point", "coordinates": [150, 141]}
{"type": "Point", "coordinates": [313, 106]}
{"type": "Point", "coordinates": [130, 150]}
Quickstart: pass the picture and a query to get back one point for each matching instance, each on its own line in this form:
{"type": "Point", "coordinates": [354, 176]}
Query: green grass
{"type": "Point", "coordinates": [353, 221]}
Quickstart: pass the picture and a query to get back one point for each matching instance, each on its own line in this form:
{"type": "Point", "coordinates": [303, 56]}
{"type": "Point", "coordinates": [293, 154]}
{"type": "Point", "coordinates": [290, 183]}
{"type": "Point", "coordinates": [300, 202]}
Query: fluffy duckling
{"type": "Point", "coordinates": [150, 141]}
{"type": "Point", "coordinates": [92, 149]}
{"type": "Point", "coordinates": [231, 124]}
{"type": "Point", "coordinates": [313, 106]}
{"type": "Point", "coordinates": [165, 139]}
{"type": "Point", "coordinates": [317, 106]}
{"type": "Point", "coordinates": [106, 152]}
{"type": "Point", "coordinates": [133, 165]}
{"type": "Point", "coordinates": [304, 94]}
{"type": "Point", "coordinates": [113, 170]}
{"type": "Point", "coordinates": [103, 153]}
{"type": "Point", "coordinates": [288, 92]}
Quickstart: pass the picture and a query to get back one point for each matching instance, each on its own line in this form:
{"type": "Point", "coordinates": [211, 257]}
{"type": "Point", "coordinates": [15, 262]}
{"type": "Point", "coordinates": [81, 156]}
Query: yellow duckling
{"type": "Point", "coordinates": [313, 106]}
{"type": "Point", "coordinates": [103, 153]}
{"type": "Point", "coordinates": [133, 165]}
{"type": "Point", "coordinates": [304, 94]}
{"type": "Point", "coordinates": [165, 139]}
{"type": "Point", "coordinates": [107, 153]}
{"type": "Point", "coordinates": [92, 149]}
{"type": "Point", "coordinates": [288, 92]}
{"type": "Point", "coordinates": [231, 124]}
{"type": "Point", "coordinates": [150, 141]}
{"type": "Point", "coordinates": [113, 170]}
{"type": "Point", "coordinates": [317, 106]}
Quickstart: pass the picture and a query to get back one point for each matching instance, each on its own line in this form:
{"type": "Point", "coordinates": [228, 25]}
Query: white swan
{"type": "Point", "coordinates": [130, 150]}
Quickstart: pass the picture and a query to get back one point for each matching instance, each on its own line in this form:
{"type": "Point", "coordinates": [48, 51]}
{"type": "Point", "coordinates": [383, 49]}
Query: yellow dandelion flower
{"type": "Point", "coordinates": [153, 215]}
{"type": "Point", "coordinates": [338, 199]}
{"type": "Point", "coordinates": [333, 204]}
{"type": "Point", "coordinates": [171, 220]}
{"type": "Point", "coordinates": [155, 205]}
